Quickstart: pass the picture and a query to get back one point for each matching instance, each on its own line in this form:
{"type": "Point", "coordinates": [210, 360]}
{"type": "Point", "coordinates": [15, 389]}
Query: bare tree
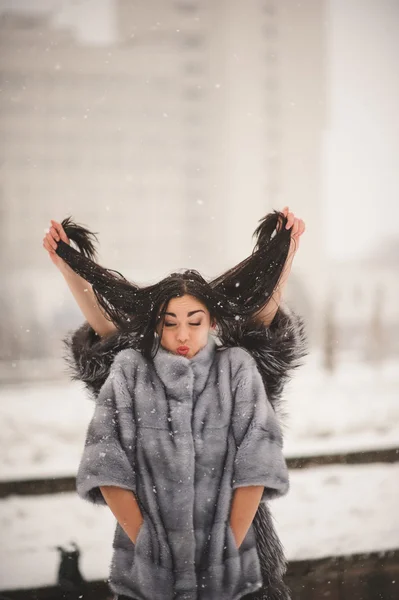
{"type": "Point", "coordinates": [375, 343]}
{"type": "Point", "coordinates": [330, 336]}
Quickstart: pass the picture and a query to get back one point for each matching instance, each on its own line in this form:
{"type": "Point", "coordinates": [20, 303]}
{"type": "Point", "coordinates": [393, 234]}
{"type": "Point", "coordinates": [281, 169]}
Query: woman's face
{"type": "Point", "coordinates": [186, 327]}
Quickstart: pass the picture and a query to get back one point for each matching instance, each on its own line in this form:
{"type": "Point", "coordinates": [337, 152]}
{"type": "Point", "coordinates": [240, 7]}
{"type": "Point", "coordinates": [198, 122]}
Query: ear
{"type": "Point", "coordinates": [213, 325]}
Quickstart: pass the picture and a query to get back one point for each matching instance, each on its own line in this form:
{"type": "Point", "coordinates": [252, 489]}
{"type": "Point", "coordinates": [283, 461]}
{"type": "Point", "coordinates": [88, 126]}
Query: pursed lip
{"type": "Point", "coordinates": [183, 349]}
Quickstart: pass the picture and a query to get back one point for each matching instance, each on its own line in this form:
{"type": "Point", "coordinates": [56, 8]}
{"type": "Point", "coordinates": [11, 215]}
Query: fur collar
{"type": "Point", "coordinates": [171, 368]}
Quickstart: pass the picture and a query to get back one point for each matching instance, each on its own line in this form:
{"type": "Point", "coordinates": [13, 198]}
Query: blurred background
{"type": "Point", "coordinates": [170, 127]}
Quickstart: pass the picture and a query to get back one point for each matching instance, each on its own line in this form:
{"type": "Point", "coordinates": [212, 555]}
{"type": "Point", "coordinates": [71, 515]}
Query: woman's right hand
{"type": "Point", "coordinates": [50, 242]}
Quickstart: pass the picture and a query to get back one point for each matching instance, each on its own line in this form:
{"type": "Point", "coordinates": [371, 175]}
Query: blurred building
{"type": "Point", "coordinates": [96, 132]}
{"type": "Point", "coordinates": [365, 295]}
{"type": "Point", "coordinates": [171, 142]}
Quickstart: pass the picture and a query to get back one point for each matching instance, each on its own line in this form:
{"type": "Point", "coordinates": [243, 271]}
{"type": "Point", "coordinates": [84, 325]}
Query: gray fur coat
{"type": "Point", "coordinates": [182, 435]}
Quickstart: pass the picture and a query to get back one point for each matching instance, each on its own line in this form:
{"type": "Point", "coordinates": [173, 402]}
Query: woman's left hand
{"type": "Point", "coordinates": [297, 228]}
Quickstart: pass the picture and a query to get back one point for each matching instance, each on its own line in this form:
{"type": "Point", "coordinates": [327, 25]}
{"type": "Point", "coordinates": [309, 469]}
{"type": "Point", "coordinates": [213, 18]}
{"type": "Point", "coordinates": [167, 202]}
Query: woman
{"type": "Point", "coordinates": [185, 445]}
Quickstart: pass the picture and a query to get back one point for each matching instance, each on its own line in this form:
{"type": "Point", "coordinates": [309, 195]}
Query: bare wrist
{"type": "Point", "coordinates": [65, 269]}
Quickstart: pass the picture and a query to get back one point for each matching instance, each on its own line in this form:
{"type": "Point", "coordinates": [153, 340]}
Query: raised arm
{"type": "Point", "coordinates": [269, 310]}
{"type": "Point", "coordinates": [84, 296]}
{"type": "Point", "coordinates": [80, 288]}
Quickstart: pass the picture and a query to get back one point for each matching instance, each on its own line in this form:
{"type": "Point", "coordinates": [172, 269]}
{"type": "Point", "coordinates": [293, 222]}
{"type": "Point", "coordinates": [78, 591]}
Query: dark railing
{"type": "Point", "coordinates": [55, 485]}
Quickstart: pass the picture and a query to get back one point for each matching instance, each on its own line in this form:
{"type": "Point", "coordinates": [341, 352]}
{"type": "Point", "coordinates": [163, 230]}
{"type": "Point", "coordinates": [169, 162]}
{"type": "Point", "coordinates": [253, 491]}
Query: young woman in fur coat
{"type": "Point", "coordinates": [185, 443]}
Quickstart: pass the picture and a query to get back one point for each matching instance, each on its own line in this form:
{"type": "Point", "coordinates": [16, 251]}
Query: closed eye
{"type": "Point", "coordinates": [173, 324]}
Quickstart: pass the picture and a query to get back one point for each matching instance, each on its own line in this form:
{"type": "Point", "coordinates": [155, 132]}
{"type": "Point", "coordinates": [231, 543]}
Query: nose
{"type": "Point", "coordinates": [182, 335]}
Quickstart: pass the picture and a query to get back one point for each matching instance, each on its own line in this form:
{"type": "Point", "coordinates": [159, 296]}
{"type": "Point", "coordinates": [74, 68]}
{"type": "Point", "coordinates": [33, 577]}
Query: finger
{"type": "Point", "coordinates": [301, 227]}
{"type": "Point", "coordinates": [57, 226]}
{"type": "Point", "coordinates": [47, 246]}
{"type": "Point", "coordinates": [60, 230]}
{"type": "Point", "coordinates": [54, 233]}
{"type": "Point", "coordinates": [295, 227]}
{"type": "Point", "coordinates": [290, 220]}
{"type": "Point", "coordinates": [51, 241]}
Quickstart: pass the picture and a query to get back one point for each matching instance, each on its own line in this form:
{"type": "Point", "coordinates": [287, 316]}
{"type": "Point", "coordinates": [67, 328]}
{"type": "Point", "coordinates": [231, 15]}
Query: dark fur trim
{"type": "Point", "coordinates": [89, 356]}
{"type": "Point", "coordinates": [272, 560]}
{"type": "Point", "coordinates": [277, 350]}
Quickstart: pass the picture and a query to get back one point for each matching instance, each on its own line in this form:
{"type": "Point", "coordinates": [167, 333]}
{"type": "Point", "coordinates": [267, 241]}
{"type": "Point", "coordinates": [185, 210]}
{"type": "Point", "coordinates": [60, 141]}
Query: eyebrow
{"type": "Point", "coordinates": [188, 314]}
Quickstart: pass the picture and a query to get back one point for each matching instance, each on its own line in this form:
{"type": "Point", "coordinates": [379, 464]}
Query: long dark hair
{"type": "Point", "coordinates": [234, 298]}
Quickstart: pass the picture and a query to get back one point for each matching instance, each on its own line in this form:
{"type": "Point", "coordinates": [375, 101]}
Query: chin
{"type": "Point", "coordinates": [193, 352]}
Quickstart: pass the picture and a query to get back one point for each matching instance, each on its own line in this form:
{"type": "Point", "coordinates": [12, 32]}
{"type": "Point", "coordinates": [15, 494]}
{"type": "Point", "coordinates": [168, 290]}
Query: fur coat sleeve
{"type": "Point", "coordinates": [259, 459]}
{"type": "Point", "coordinates": [105, 459]}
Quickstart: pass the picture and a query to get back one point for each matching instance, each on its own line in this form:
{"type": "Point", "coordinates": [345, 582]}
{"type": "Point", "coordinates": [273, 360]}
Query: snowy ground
{"type": "Point", "coordinates": [44, 425]}
{"type": "Point", "coordinates": [333, 510]}
{"type": "Point", "coordinates": [356, 409]}
{"type": "Point", "coordinates": [330, 510]}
